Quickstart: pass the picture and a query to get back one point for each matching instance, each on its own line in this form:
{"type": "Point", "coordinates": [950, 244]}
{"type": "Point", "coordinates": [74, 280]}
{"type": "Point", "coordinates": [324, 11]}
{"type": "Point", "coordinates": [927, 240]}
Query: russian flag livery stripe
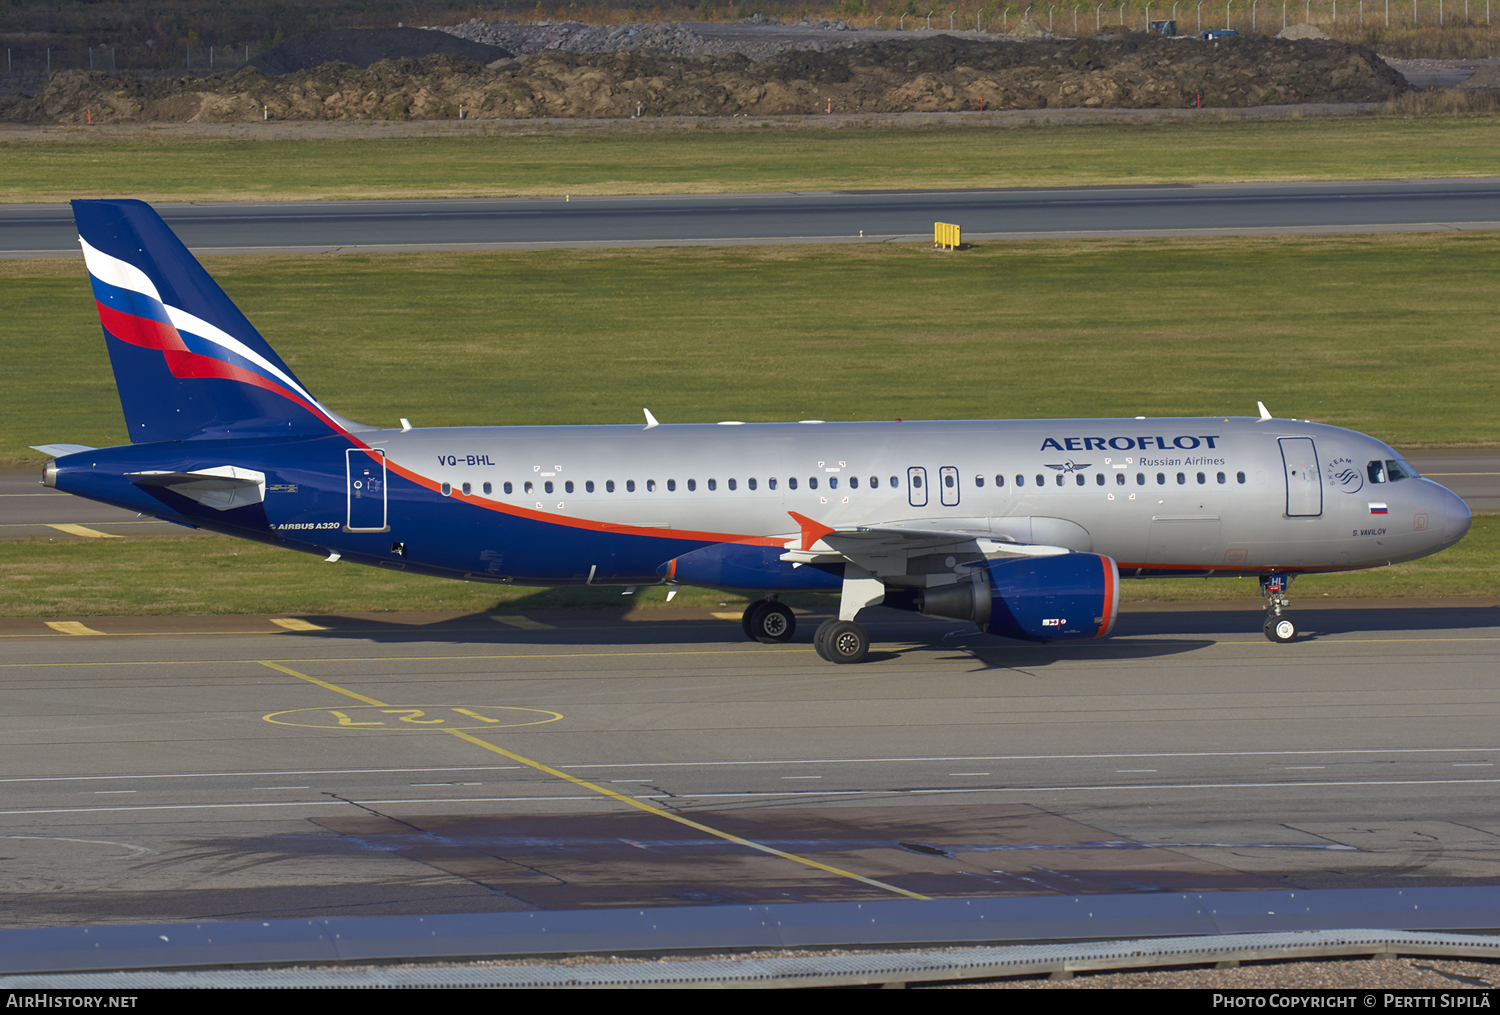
{"type": "Point", "coordinates": [187, 362]}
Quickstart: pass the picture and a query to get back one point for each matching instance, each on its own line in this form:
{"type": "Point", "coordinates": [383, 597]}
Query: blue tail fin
{"type": "Point", "coordinates": [187, 362]}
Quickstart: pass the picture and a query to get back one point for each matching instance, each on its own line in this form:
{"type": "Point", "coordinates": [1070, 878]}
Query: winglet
{"type": "Point", "coordinates": [650, 420]}
{"type": "Point", "coordinates": [1265, 413]}
{"type": "Point", "coordinates": [811, 531]}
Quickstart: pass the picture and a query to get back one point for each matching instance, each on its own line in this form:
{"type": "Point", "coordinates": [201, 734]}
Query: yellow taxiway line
{"type": "Point", "coordinates": [620, 797]}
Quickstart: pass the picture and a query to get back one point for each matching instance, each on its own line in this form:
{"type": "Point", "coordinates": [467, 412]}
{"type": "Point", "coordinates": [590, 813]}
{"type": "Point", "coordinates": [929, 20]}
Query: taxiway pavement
{"type": "Point", "coordinates": [216, 768]}
{"type": "Point", "coordinates": [46, 230]}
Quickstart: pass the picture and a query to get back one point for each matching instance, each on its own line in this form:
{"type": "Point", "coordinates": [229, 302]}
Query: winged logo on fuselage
{"type": "Point", "coordinates": [1071, 466]}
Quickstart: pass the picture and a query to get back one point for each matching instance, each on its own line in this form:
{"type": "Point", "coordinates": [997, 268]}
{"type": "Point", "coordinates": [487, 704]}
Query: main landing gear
{"type": "Point", "coordinates": [842, 641]}
{"type": "Point", "coordinates": [1279, 627]}
{"type": "Point", "coordinates": [768, 621]}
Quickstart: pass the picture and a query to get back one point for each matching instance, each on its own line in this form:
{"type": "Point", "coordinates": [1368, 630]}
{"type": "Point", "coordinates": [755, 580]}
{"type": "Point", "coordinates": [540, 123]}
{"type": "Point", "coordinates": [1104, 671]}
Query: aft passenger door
{"type": "Point", "coordinates": [365, 471]}
{"type": "Point", "coordinates": [1304, 483]}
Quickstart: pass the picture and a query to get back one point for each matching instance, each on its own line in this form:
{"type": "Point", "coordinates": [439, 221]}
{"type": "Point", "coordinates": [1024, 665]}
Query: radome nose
{"type": "Point", "coordinates": [1455, 514]}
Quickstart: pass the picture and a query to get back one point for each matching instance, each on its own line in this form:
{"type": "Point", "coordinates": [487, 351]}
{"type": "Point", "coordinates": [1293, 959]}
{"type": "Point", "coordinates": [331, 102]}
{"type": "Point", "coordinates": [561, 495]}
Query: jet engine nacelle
{"type": "Point", "coordinates": [1070, 595]}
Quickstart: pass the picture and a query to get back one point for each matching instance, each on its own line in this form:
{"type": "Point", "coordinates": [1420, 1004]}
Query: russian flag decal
{"type": "Point", "coordinates": [1378, 509]}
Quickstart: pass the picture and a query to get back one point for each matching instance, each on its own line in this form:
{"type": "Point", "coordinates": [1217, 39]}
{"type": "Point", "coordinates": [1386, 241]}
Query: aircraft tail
{"type": "Point", "coordinates": [187, 363]}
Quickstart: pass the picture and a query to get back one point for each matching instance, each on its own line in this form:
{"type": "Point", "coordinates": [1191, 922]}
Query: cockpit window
{"type": "Point", "coordinates": [1398, 470]}
{"type": "Point", "coordinates": [1376, 471]}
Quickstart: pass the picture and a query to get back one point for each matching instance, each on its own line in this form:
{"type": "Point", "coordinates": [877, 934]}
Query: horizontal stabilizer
{"type": "Point", "coordinates": [222, 487]}
{"type": "Point", "coordinates": [59, 450]}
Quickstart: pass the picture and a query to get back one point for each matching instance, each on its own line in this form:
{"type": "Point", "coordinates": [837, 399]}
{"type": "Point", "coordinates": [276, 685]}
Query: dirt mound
{"type": "Point", "coordinates": [1486, 75]}
{"type": "Point", "coordinates": [360, 47]}
{"type": "Point", "coordinates": [1302, 30]}
{"type": "Point", "coordinates": [935, 73]}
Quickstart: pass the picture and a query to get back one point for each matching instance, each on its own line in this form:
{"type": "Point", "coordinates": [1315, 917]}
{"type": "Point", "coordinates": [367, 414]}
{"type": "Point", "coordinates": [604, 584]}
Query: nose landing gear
{"type": "Point", "coordinates": [1279, 627]}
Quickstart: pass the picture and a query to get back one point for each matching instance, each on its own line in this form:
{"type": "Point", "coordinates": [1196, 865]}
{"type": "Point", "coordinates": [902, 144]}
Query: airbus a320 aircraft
{"type": "Point", "coordinates": [1024, 527]}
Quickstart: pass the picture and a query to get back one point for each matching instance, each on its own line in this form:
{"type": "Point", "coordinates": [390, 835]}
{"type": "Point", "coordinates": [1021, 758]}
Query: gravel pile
{"type": "Point", "coordinates": [757, 38]}
{"type": "Point", "coordinates": [360, 47]}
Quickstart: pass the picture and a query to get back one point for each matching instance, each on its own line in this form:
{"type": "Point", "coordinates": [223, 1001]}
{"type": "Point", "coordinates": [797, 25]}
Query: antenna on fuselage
{"type": "Point", "coordinates": [650, 420]}
{"type": "Point", "coordinates": [1265, 413]}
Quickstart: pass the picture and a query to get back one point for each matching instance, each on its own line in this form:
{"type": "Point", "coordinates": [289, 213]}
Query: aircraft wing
{"type": "Point", "coordinates": [898, 549]}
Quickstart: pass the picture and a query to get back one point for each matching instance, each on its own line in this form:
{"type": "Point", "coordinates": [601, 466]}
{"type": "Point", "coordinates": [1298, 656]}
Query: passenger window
{"type": "Point", "coordinates": [978, 480]}
{"type": "Point", "coordinates": [1181, 479]}
{"type": "Point", "coordinates": [1202, 479]}
{"type": "Point", "coordinates": [671, 486]}
{"type": "Point", "coordinates": [568, 486]}
{"type": "Point", "coordinates": [508, 488]}
{"type": "Point", "coordinates": [792, 483]}
{"type": "Point", "coordinates": [1221, 479]}
{"type": "Point", "coordinates": [854, 482]}
{"type": "Point", "coordinates": [1239, 477]}
{"type": "Point", "coordinates": [833, 482]}
{"type": "Point", "coordinates": [446, 489]}
{"type": "Point", "coordinates": [1060, 479]}
{"type": "Point", "coordinates": [468, 489]}
{"type": "Point", "coordinates": [589, 486]}
{"type": "Point", "coordinates": [650, 486]}
{"type": "Point", "coordinates": [1080, 480]}
{"type": "Point", "coordinates": [1161, 479]}
{"type": "Point", "coordinates": [692, 485]}
{"type": "Point", "coordinates": [1119, 479]}
{"type": "Point", "coordinates": [713, 484]}
{"type": "Point", "coordinates": [547, 486]}
{"type": "Point", "coordinates": [1140, 479]}
{"type": "Point", "coordinates": [1100, 479]}
{"type": "Point", "coordinates": [530, 486]}
{"type": "Point", "coordinates": [895, 482]}
{"type": "Point", "coordinates": [771, 483]}
{"type": "Point", "coordinates": [609, 486]}
{"type": "Point", "coordinates": [752, 483]}
{"type": "Point", "coordinates": [488, 489]}
{"type": "Point", "coordinates": [1041, 480]}
{"type": "Point", "coordinates": [999, 480]}
{"type": "Point", "coordinates": [1020, 480]}
{"type": "Point", "coordinates": [731, 484]}
{"type": "Point", "coordinates": [630, 486]}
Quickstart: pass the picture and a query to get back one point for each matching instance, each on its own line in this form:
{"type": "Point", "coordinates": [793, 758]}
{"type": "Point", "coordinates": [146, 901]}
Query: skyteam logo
{"type": "Point", "coordinates": [1343, 475]}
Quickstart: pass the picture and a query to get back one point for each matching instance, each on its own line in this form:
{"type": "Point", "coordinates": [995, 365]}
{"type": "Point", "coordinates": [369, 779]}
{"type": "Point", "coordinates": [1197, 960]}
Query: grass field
{"type": "Point", "coordinates": [204, 574]}
{"type": "Point", "coordinates": [1388, 334]}
{"type": "Point", "coordinates": [529, 160]}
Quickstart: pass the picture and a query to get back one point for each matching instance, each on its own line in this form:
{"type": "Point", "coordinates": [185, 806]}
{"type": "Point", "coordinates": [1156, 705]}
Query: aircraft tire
{"type": "Point", "coordinates": [846, 642]}
{"type": "Point", "coordinates": [747, 621]}
{"type": "Point", "coordinates": [1281, 630]}
{"type": "Point", "coordinates": [773, 624]}
{"type": "Point", "coordinates": [820, 640]}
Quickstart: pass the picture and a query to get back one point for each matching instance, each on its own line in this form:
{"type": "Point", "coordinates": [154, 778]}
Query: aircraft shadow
{"type": "Point", "coordinates": [897, 635]}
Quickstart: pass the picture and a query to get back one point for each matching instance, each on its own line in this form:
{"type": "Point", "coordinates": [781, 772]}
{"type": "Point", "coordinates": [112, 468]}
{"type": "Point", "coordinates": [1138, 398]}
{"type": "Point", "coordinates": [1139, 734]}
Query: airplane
{"type": "Point", "coordinates": [1023, 527]}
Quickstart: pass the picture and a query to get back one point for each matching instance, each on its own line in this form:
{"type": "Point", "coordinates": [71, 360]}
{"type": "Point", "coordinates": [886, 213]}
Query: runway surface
{"type": "Point", "coordinates": [218, 768]}
{"type": "Point", "coordinates": [836, 216]}
{"type": "Point", "coordinates": [28, 510]}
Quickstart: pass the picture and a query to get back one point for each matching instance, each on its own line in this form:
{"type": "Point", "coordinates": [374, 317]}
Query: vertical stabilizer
{"type": "Point", "coordinates": [187, 363]}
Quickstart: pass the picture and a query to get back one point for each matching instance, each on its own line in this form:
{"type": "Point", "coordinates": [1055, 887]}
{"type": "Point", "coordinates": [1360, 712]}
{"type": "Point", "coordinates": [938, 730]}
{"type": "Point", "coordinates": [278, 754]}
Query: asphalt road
{"type": "Point", "coordinates": [1202, 209]}
{"type": "Point", "coordinates": [28, 510]}
{"type": "Point", "coordinates": [162, 771]}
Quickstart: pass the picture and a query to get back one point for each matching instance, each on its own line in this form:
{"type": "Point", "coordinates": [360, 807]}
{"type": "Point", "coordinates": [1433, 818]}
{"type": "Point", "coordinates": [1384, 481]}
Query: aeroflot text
{"type": "Point", "coordinates": [1126, 443]}
{"type": "Point", "coordinates": [1475, 1000]}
